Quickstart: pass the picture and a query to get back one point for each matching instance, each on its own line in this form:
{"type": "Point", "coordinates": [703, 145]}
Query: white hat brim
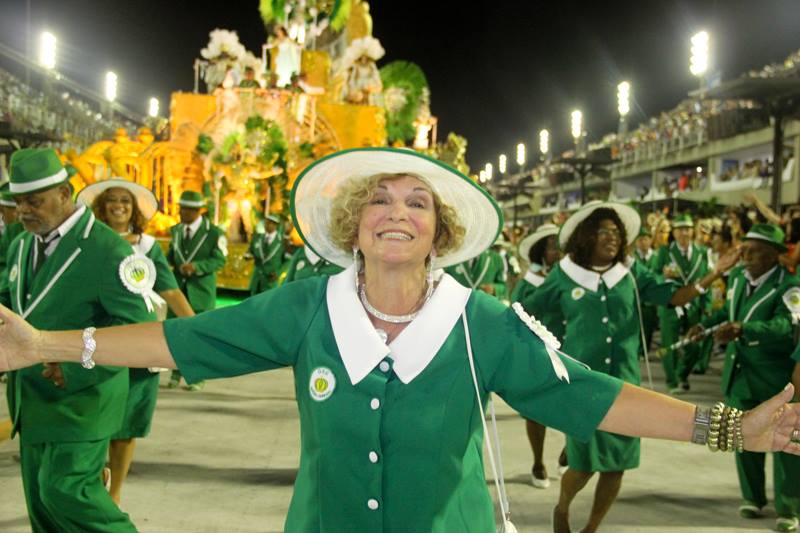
{"type": "Point", "coordinates": [145, 199]}
{"type": "Point", "coordinates": [630, 219]}
{"type": "Point", "coordinates": [317, 186]}
{"type": "Point", "coordinates": [542, 232]}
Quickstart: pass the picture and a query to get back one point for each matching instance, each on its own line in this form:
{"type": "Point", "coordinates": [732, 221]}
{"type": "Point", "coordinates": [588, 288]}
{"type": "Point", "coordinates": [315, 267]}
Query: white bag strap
{"type": "Point", "coordinates": [499, 481]}
{"type": "Point", "coordinates": [641, 331]}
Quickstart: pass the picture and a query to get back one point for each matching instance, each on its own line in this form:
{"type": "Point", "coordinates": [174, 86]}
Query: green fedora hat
{"type": "Point", "coordinates": [684, 220]}
{"type": "Point", "coordinates": [192, 199]}
{"type": "Point", "coordinates": [35, 170]}
{"type": "Point", "coordinates": [769, 233]}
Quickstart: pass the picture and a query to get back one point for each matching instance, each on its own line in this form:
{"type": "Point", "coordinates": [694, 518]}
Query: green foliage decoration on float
{"type": "Point", "coordinates": [403, 86]}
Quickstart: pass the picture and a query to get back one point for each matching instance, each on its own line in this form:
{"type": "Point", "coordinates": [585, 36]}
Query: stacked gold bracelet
{"type": "Point", "coordinates": [724, 428]}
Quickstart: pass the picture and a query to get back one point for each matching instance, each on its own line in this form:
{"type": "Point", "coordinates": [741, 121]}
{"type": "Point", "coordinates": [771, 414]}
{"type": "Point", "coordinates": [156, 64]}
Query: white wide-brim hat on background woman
{"type": "Point", "coordinates": [542, 232]}
{"type": "Point", "coordinates": [628, 215]}
{"type": "Point", "coordinates": [317, 186]}
{"type": "Point", "coordinates": [145, 200]}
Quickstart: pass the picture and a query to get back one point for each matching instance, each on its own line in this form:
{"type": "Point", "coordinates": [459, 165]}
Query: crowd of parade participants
{"type": "Point", "coordinates": [618, 286]}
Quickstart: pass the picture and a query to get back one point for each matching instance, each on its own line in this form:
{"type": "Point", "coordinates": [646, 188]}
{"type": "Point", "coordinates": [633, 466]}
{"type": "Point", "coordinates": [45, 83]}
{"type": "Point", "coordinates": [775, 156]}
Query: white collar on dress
{"type": "Point", "coordinates": [414, 348]}
{"type": "Point", "coordinates": [591, 280]}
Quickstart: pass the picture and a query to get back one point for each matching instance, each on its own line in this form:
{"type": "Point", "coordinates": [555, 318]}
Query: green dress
{"type": "Point", "coordinates": [602, 330]}
{"type": "Point", "coordinates": [207, 250]}
{"type": "Point", "coordinates": [391, 437]}
{"type": "Point", "coordinates": [143, 389]}
{"type": "Point", "coordinates": [676, 321]}
{"type": "Point", "coordinates": [758, 365]}
{"type": "Point", "coordinates": [523, 293]}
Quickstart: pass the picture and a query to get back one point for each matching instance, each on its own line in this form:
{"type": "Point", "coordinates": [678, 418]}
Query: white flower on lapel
{"type": "Point", "coordinates": [551, 343]}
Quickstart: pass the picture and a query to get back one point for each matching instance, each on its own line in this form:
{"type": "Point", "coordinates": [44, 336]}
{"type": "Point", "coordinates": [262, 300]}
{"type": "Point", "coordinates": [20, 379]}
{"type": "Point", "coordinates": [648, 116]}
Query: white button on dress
{"type": "Point", "coordinates": [608, 340]}
{"type": "Point", "coordinates": [384, 366]}
{"type": "Point", "coordinates": [608, 360]}
{"type": "Point", "coordinates": [372, 503]}
{"type": "Point", "coordinates": [373, 457]}
{"type": "Point", "coordinates": [605, 320]}
{"type": "Point", "coordinates": [603, 298]}
{"type": "Point", "coordinates": [374, 404]}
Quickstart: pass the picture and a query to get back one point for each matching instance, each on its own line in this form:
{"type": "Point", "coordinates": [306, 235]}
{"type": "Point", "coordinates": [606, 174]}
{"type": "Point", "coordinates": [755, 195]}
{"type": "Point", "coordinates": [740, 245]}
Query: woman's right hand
{"type": "Point", "coordinates": [19, 342]}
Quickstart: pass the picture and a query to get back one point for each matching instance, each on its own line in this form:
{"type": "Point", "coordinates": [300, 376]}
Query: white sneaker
{"type": "Point", "coordinates": [787, 525]}
{"type": "Point", "coordinates": [540, 483]}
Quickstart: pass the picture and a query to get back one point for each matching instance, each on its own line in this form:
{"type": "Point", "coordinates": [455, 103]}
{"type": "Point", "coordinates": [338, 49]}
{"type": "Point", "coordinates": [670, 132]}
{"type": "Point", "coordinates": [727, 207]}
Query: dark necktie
{"type": "Point", "coordinates": [40, 247]}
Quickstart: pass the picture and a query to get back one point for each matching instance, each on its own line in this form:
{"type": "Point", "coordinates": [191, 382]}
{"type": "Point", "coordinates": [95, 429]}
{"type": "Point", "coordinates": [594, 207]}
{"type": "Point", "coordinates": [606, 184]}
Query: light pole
{"type": "Point", "coordinates": [152, 109]}
{"type": "Point", "coordinates": [576, 126]}
{"type": "Point", "coordinates": [501, 164]}
{"type": "Point", "coordinates": [47, 59]}
{"type": "Point", "coordinates": [623, 106]}
{"type": "Point", "coordinates": [111, 92]}
{"type": "Point", "coordinates": [698, 60]}
{"type": "Point", "coordinates": [489, 171]}
{"type": "Point", "coordinates": [544, 144]}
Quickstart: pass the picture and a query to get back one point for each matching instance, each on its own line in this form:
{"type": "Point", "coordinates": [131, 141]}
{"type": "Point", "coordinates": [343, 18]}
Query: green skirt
{"type": "Point", "coordinates": [605, 452]}
{"type": "Point", "coordinates": [140, 406]}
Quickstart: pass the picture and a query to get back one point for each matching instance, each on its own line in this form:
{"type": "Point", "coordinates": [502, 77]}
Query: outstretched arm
{"type": "Point", "coordinates": [134, 345]}
{"type": "Point", "coordinates": [640, 412]}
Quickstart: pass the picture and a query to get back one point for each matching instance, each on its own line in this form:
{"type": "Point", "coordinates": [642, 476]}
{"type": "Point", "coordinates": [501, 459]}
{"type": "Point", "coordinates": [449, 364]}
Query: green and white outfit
{"type": "Point", "coordinates": [306, 264]}
{"type": "Point", "coordinates": [391, 436]}
{"type": "Point", "coordinates": [64, 433]}
{"type": "Point", "coordinates": [486, 269]}
{"type": "Point", "coordinates": [267, 250]}
{"type": "Point", "coordinates": [758, 365]}
{"type": "Point", "coordinates": [602, 331]}
{"type": "Point", "coordinates": [676, 321]}
{"type": "Point", "coordinates": [206, 249]}
{"type": "Point", "coordinates": [649, 312]}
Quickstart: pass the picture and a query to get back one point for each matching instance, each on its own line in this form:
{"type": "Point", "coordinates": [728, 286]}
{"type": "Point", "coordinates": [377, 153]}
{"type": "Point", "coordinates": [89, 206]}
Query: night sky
{"type": "Point", "coordinates": [498, 71]}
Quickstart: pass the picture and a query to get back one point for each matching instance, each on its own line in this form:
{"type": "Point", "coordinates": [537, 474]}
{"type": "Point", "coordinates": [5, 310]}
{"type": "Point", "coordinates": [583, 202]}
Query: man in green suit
{"type": "Point", "coordinates": [485, 273]}
{"type": "Point", "coordinates": [196, 252]}
{"type": "Point", "coordinates": [267, 248]}
{"type": "Point", "coordinates": [761, 310]}
{"type": "Point", "coordinates": [67, 271]}
{"type": "Point", "coordinates": [684, 263]}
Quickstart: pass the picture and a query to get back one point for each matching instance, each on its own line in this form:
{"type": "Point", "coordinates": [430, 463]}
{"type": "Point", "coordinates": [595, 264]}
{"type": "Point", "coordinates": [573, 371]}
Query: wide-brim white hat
{"type": "Point", "coordinates": [630, 219]}
{"type": "Point", "coordinates": [317, 186]}
{"type": "Point", "coordinates": [542, 232]}
{"type": "Point", "coordinates": [145, 199]}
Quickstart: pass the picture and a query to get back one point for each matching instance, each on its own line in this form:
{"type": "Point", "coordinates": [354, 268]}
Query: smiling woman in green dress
{"type": "Point", "coordinates": [391, 426]}
{"type": "Point", "coordinates": [596, 288]}
{"type": "Point", "coordinates": [127, 208]}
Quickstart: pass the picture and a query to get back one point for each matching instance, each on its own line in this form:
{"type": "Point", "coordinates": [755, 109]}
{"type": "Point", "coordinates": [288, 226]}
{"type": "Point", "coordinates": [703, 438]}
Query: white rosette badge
{"type": "Point", "coordinates": [551, 343]}
{"type": "Point", "coordinates": [138, 274]}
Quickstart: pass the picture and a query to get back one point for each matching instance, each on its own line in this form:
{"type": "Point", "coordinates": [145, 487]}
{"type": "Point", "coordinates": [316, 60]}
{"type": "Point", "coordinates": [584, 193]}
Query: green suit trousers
{"type": "Point", "coordinates": [63, 489]}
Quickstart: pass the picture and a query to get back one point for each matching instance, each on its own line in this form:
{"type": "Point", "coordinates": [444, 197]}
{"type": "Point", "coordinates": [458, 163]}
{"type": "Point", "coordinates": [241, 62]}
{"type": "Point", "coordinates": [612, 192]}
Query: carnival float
{"type": "Point", "coordinates": [315, 87]}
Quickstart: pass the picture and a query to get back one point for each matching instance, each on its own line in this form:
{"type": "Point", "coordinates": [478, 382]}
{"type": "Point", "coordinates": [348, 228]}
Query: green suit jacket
{"type": "Point", "coordinates": [9, 234]}
{"type": "Point", "coordinates": [690, 271]}
{"type": "Point", "coordinates": [206, 250]}
{"type": "Point", "coordinates": [267, 259]}
{"type": "Point", "coordinates": [78, 286]}
{"type": "Point", "coordinates": [758, 364]}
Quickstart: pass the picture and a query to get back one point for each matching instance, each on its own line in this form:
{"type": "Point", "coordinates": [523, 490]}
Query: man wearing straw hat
{"type": "Point", "coordinates": [266, 248]}
{"type": "Point", "coordinates": [684, 263]}
{"type": "Point", "coordinates": [761, 311]}
{"type": "Point", "coordinates": [196, 252]}
{"type": "Point", "coordinates": [66, 271]}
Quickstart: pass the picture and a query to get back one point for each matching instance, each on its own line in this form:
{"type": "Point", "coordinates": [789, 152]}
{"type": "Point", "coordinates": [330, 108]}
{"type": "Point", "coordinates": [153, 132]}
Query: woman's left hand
{"type": "Point", "coordinates": [772, 426]}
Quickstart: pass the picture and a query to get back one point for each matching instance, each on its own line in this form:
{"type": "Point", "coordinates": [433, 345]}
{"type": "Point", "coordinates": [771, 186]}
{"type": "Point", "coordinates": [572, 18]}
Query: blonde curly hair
{"type": "Point", "coordinates": [348, 205]}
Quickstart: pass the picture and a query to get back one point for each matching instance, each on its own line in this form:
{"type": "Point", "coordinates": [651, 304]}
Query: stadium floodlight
{"type": "Point", "coordinates": [111, 86]}
{"type": "Point", "coordinates": [698, 61]}
{"type": "Point", "coordinates": [623, 98]}
{"type": "Point", "coordinates": [47, 50]}
{"type": "Point", "coordinates": [482, 176]}
{"type": "Point", "coordinates": [501, 163]}
{"type": "Point", "coordinates": [576, 121]}
{"type": "Point", "coordinates": [544, 142]}
{"type": "Point", "coordinates": [520, 154]}
{"type": "Point", "coordinates": [489, 171]}
{"type": "Point", "coordinates": [153, 109]}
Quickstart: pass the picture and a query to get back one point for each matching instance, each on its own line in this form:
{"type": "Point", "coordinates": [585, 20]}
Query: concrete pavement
{"type": "Point", "coordinates": [225, 459]}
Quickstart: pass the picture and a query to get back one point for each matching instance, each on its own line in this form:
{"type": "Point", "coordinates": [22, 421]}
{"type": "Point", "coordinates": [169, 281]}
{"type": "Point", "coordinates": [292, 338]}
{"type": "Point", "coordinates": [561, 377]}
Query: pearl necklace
{"type": "Point", "coordinates": [392, 319]}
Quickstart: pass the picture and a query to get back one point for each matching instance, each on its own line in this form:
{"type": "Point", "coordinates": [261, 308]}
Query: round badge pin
{"type": "Point", "coordinates": [577, 293]}
{"type": "Point", "coordinates": [12, 275]}
{"type": "Point", "coordinates": [321, 384]}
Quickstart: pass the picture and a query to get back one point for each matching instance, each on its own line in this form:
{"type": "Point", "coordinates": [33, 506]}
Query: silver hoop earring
{"type": "Point", "coordinates": [431, 259]}
{"type": "Point", "coordinates": [355, 264]}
